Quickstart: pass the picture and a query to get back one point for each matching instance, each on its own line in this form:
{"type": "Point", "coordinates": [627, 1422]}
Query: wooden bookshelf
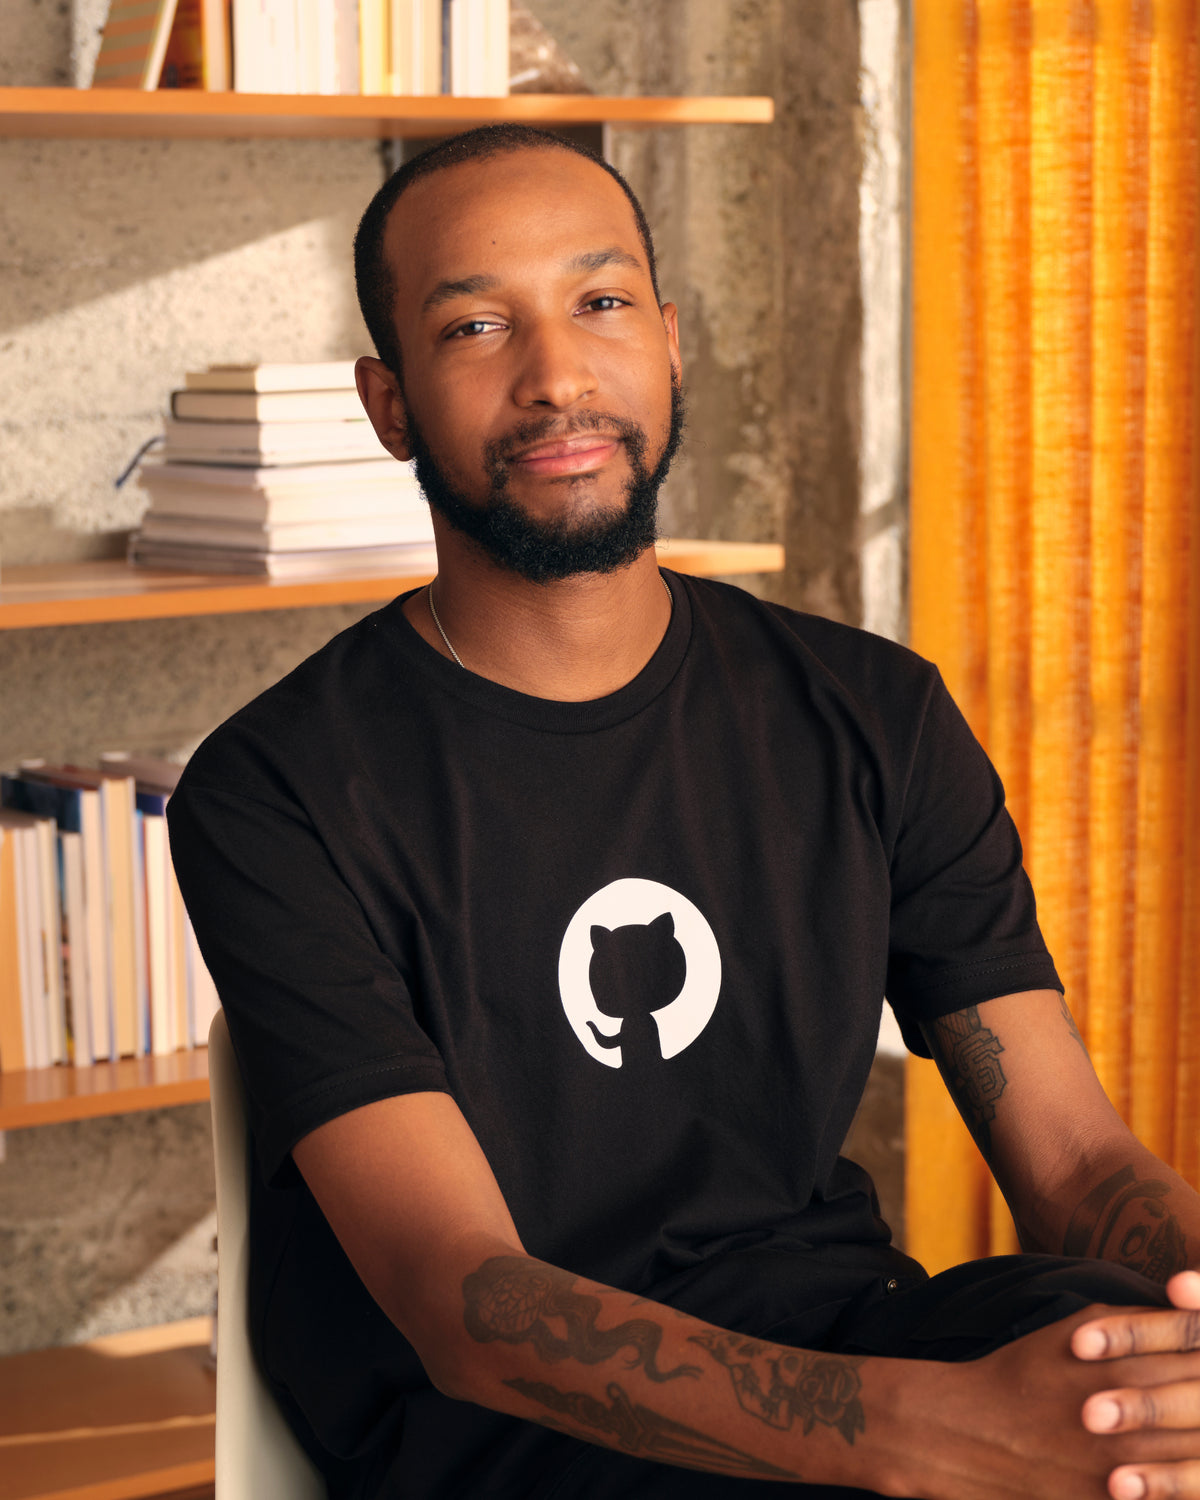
{"type": "Point", "coordinates": [46, 1096]}
{"type": "Point", "coordinates": [129, 1415]}
{"type": "Point", "coordinates": [192, 113]}
{"type": "Point", "coordinates": [88, 593]}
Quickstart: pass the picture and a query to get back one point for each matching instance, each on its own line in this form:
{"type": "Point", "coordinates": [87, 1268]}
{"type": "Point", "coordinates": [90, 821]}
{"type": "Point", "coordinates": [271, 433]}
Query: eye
{"type": "Point", "coordinates": [607, 302]}
{"type": "Point", "coordinates": [472, 329]}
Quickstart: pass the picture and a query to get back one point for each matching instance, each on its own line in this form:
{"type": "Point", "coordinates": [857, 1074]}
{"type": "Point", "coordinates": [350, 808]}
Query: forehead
{"type": "Point", "coordinates": [513, 214]}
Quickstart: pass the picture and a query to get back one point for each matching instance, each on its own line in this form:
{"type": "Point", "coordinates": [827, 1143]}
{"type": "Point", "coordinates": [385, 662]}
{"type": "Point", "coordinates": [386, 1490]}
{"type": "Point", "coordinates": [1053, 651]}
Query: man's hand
{"type": "Point", "coordinates": [1173, 1404]}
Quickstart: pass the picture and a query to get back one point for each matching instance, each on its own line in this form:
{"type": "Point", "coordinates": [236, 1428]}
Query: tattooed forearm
{"type": "Point", "coordinates": [778, 1385]}
{"type": "Point", "coordinates": [1126, 1219]}
{"type": "Point", "coordinates": [518, 1300]}
{"type": "Point", "coordinates": [635, 1428]}
{"type": "Point", "coordinates": [1070, 1020]}
{"type": "Point", "coordinates": [971, 1063]}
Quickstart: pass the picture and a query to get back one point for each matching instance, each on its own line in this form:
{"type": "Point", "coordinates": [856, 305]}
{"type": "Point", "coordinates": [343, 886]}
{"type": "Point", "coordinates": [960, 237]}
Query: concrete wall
{"type": "Point", "coordinates": [122, 264]}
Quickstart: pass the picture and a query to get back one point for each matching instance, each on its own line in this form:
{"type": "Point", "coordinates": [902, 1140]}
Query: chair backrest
{"type": "Point", "coordinates": [258, 1458]}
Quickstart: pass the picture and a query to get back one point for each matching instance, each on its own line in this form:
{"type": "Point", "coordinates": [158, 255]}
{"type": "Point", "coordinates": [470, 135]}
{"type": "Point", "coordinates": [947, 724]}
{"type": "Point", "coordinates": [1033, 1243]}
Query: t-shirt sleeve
{"type": "Point", "coordinates": [322, 1020]}
{"type": "Point", "coordinates": [963, 920]}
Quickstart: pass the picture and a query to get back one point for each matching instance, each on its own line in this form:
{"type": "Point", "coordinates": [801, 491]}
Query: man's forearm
{"type": "Point", "coordinates": [614, 1369]}
{"type": "Point", "coordinates": [1128, 1207]}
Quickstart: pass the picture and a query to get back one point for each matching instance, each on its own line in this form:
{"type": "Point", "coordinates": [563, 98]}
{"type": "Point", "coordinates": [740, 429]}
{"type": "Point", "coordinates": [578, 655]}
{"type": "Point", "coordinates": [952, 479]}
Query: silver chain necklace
{"type": "Point", "coordinates": [454, 653]}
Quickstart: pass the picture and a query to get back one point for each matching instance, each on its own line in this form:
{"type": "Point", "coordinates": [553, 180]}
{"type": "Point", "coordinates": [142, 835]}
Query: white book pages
{"type": "Point", "coordinates": [307, 22]}
{"type": "Point", "coordinates": [496, 49]}
{"type": "Point", "coordinates": [283, 43]}
{"type": "Point", "coordinates": [249, 43]}
{"type": "Point", "coordinates": [401, 60]}
{"type": "Point", "coordinates": [177, 932]}
{"type": "Point", "coordinates": [50, 939]}
{"type": "Point", "coordinates": [158, 936]}
{"type": "Point", "coordinates": [427, 47]}
{"type": "Point", "coordinates": [346, 73]}
{"type": "Point", "coordinates": [99, 947]}
{"type": "Point", "coordinates": [28, 958]}
{"type": "Point", "coordinates": [75, 948]}
{"type": "Point", "coordinates": [141, 963]}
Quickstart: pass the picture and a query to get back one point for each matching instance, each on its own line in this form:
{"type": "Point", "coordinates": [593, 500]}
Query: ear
{"type": "Point", "coordinates": [670, 317]}
{"type": "Point", "coordinates": [379, 392]}
{"type": "Point", "coordinates": [600, 936]}
{"type": "Point", "coordinates": [662, 926]}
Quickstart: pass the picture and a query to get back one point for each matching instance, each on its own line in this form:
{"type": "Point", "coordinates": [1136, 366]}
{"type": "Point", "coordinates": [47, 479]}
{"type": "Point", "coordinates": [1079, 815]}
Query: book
{"type": "Point", "coordinates": [266, 406]}
{"type": "Point", "coordinates": [373, 46]}
{"type": "Point", "coordinates": [51, 993]}
{"type": "Point", "coordinates": [12, 1018]}
{"type": "Point", "coordinates": [325, 375]}
{"type": "Point", "coordinates": [302, 492]}
{"type": "Point", "coordinates": [265, 51]}
{"type": "Point", "coordinates": [116, 808]}
{"type": "Point", "coordinates": [75, 948]}
{"type": "Point", "coordinates": [295, 536]}
{"type": "Point", "coordinates": [133, 44]}
{"type": "Point", "coordinates": [21, 829]}
{"type": "Point", "coordinates": [496, 46]}
{"type": "Point", "coordinates": [166, 917]}
{"type": "Point", "coordinates": [415, 557]}
{"type": "Point", "coordinates": [265, 444]}
{"type": "Point", "coordinates": [197, 54]}
{"type": "Point", "coordinates": [76, 814]}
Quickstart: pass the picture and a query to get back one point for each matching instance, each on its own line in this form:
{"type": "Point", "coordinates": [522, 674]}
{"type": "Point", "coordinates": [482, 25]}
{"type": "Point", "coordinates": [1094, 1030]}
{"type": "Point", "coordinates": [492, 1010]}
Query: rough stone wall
{"type": "Point", "coordinates": [757, 233]}
{"type": "Point", "coordinates": [122, 264]}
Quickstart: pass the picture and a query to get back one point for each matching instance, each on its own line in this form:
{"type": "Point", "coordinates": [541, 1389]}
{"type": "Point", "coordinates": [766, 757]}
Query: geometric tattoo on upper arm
{"type": "Point", "coordinates": [511, 1297]}
{"type": "Point", "coordinates": [971, 1059]}
{"type": "Point", "coordinates": [777, 1384]}
{"type": "Point", "coordinates": [1126, 1220]}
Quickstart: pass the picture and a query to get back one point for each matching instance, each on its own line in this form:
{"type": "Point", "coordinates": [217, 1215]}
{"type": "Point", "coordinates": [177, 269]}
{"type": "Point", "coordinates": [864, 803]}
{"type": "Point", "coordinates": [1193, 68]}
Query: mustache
{"type": "Point", "coordinates": [554, 429]}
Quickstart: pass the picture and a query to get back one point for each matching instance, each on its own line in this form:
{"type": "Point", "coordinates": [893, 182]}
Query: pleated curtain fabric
{"type": "Point", "coordinates": [1056, 522]}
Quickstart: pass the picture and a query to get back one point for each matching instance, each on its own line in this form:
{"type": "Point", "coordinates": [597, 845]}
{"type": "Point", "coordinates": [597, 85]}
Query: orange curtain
{"type": "Point", "coordinates": [1056, 521]}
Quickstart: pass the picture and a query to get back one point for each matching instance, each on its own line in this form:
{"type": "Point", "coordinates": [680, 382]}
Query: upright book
{"type": "Point", "coordinates": [133, 44]}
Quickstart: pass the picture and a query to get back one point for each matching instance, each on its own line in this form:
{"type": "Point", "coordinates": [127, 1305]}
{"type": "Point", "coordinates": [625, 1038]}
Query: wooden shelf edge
{"type": "Point", "coordinates": [176, 1482]}
{"type": "Point", "coordinates": [121, 1417]}
{"type": "Point", "coordinates": [93, 593]}
{"type": "Point", "coordinates": [50, 1096]}
{"type": "Point", "coordinates": [49, 112]}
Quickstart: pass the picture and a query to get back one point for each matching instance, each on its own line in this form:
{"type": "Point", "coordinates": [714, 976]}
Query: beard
{"type": "Point", "coordinates": [545, 551]}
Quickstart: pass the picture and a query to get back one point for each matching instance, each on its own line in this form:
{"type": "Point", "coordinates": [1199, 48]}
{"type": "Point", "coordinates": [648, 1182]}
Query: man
{"type": "Point", "coordinates": [552, 908]}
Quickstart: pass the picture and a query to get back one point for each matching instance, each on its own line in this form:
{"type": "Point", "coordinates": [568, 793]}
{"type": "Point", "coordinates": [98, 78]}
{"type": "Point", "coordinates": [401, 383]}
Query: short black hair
{"type": "Point", "coordinates": [373, 276]}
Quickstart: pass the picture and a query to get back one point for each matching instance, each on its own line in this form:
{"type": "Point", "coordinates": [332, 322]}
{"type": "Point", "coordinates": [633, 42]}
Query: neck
{"type": "Point", "coordinates": [582, 637]}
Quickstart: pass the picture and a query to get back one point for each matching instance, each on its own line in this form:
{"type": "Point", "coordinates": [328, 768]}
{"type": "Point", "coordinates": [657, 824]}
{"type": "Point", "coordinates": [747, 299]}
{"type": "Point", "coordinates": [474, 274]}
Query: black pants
{"type": "Point", "coordinates": [961, 1314]}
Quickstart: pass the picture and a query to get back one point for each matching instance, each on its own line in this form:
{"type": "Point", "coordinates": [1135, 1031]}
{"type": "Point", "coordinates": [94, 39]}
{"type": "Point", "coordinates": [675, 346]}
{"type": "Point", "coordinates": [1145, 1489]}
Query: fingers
{"type": "Point", "coordinates": [1174, 1406]}
{"type": "Point", "coordinates": [1155, 1482]}
{"type": "Point", "coordinates": [1143, 1330]}
{"type": "Point", "coordinates": [1184, 1289]}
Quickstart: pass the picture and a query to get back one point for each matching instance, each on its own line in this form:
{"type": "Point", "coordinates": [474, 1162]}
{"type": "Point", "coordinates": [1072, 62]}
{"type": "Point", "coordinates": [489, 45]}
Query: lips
{"type": "Point", "coordinates": [569, 455]}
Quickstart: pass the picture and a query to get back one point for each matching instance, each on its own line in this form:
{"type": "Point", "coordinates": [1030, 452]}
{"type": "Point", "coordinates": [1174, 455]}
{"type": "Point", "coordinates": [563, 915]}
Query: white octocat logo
{"type": "Point", "coordinates": [680, 941]}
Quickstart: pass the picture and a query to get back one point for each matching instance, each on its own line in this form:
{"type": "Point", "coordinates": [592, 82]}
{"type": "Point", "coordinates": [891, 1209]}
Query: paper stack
{"type": "Point", "coordinates": [274, 470]}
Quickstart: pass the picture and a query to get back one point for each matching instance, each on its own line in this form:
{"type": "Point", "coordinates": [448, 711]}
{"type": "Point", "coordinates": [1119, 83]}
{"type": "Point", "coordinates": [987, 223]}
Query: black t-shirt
{"type": "Point", "coordinates": [643, 941]}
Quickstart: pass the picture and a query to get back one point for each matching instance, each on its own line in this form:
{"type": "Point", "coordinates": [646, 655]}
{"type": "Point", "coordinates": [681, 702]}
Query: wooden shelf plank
{"type": "Point", "coordinates": [129, 1415]}
{"type": "Point", "coordinates": [47, 1096]}
{"type": "Point", "coordinates": [89, 593]}
{"type": "Point", "coordinates": [180, 113]}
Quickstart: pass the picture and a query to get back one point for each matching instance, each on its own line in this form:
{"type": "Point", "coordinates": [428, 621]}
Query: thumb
{"type": "Point", "coordinates": [1184, 1289]}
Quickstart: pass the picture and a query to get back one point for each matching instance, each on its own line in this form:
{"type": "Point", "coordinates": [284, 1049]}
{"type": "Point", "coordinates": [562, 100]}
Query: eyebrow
{"type": "Point", "coordinates": [474, 286]}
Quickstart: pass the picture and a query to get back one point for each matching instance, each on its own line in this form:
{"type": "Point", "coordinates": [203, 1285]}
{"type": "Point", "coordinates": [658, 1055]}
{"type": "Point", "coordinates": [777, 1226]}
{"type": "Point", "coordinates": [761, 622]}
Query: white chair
{"type": "Point", "coordinates": [258, 1458]}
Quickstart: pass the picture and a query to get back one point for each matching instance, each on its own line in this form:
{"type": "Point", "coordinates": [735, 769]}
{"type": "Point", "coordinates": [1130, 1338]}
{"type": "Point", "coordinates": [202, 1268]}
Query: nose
{"type": "Point", "coordinates": [554, 369]}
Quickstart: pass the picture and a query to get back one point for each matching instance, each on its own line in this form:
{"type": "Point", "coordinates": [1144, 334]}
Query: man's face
{"type": "Point", "coordinates": [540, 375]}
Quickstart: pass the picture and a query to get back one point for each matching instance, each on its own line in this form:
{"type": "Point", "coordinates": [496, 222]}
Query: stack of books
{"type": "Point", "coordinates": [398, 47]}
{"type": "Point", "coordinates": [97, 956]}
{"type": "Point", "coordinates": [274, 471]}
